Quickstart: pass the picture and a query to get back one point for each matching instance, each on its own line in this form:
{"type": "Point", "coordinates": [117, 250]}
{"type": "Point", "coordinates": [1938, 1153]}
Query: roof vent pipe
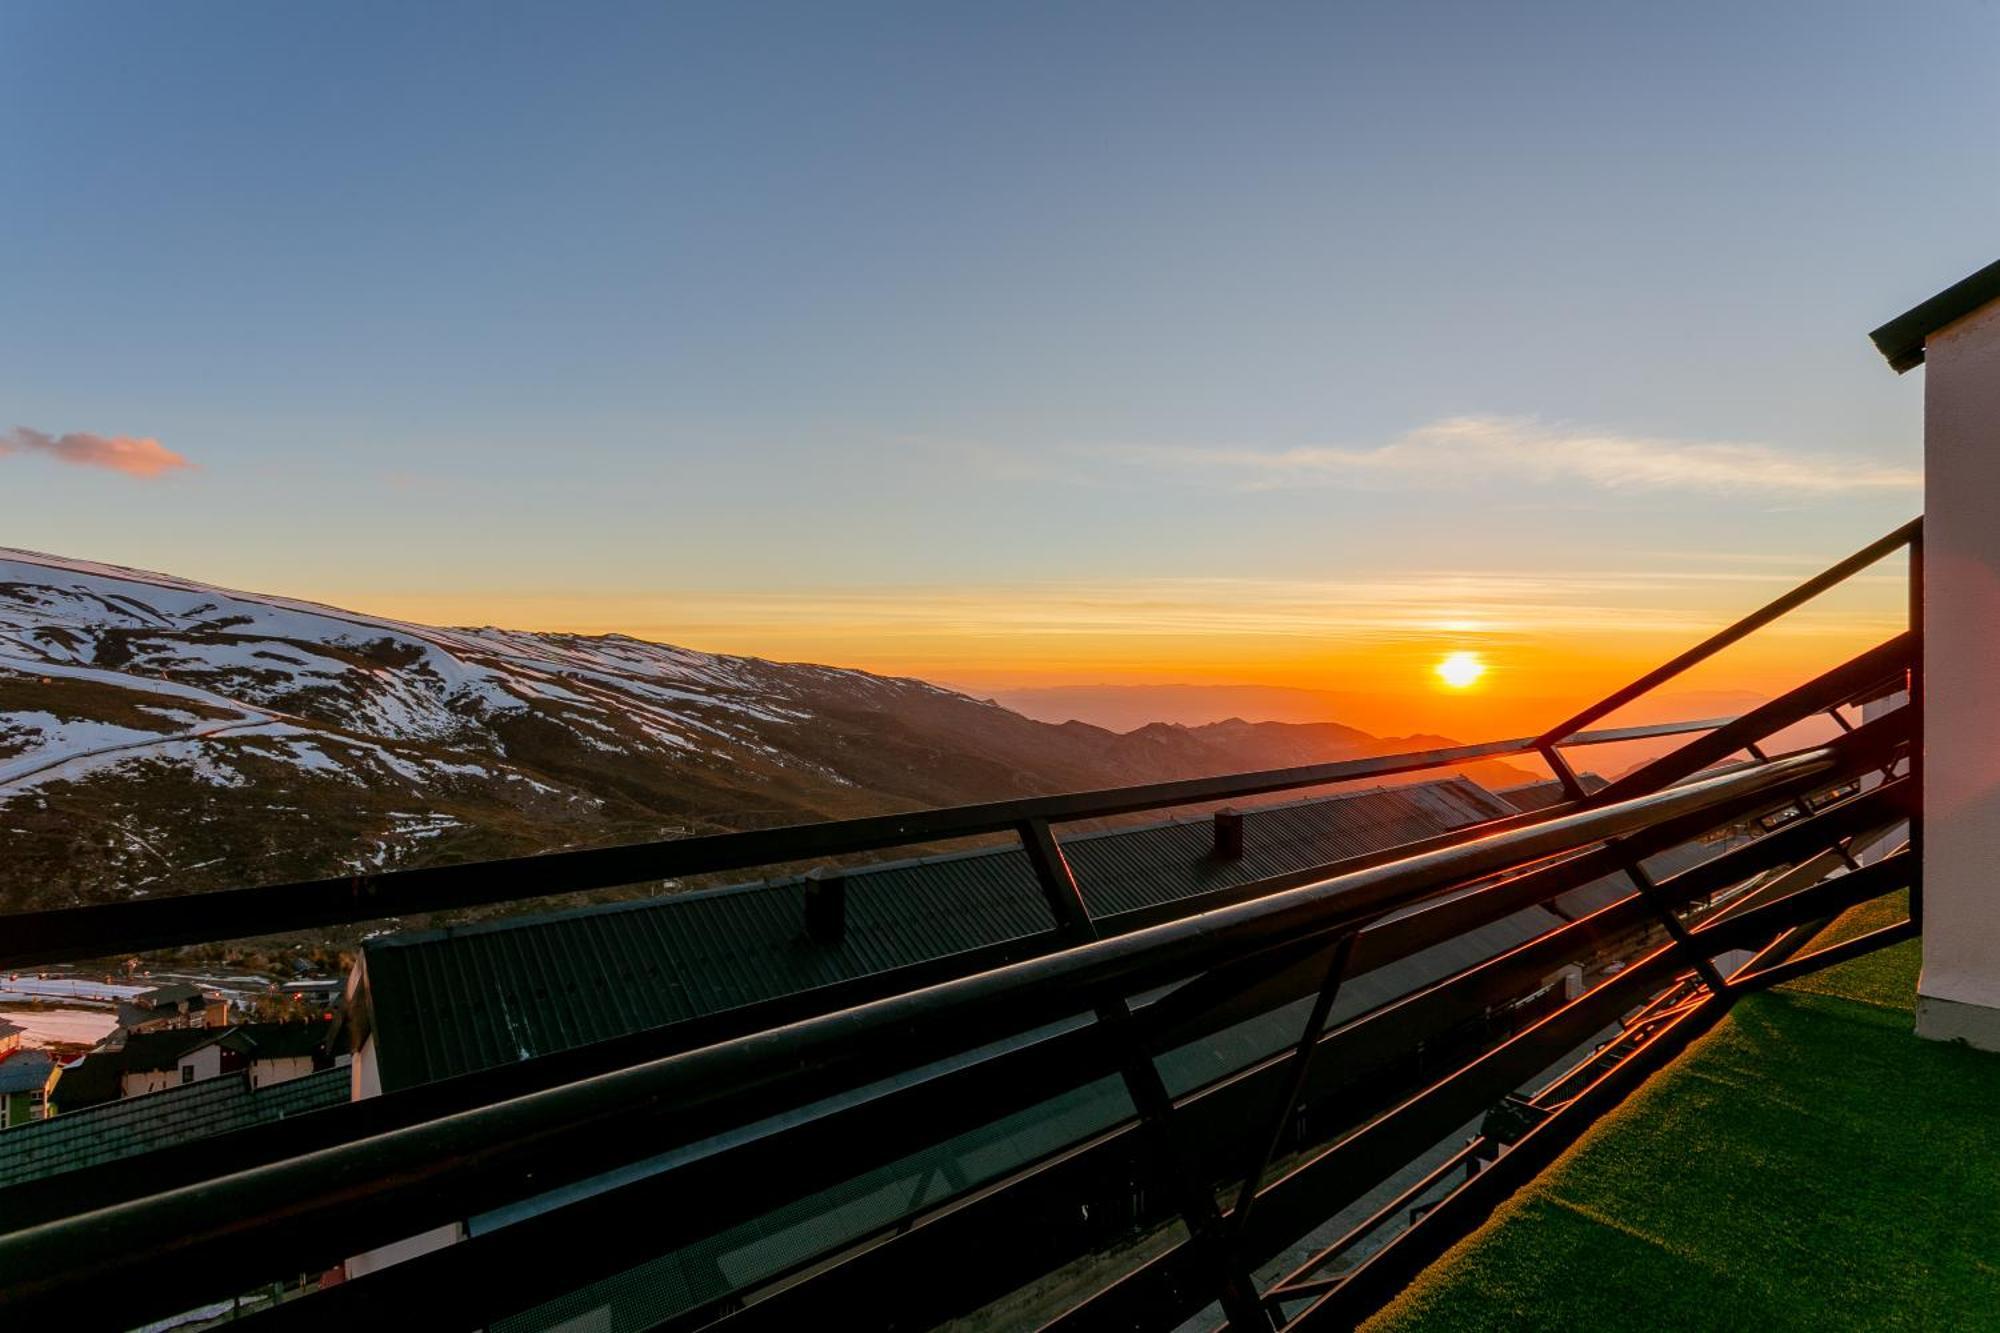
{"type": "Point", "coordinates": [1229, 835]}
{"type": "Point", "coordinates": [826, 905]}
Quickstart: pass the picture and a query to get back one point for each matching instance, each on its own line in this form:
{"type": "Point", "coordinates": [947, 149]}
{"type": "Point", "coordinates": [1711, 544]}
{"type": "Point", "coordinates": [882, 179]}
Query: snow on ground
{"type": "Point", "coordinates": [105, 676]}
{"type": "Point", "coordinates": [250, 647]}
{"type": "Point", "coordinates": [55, 766]}
{"type": "Point", "coordinates": [33, 738]}
{"type": "Point", "coordinates": [27, 986]}
{"type": "Point", "coordinates": [266, 659]}
{"type": "Point", "coordinates": [53, 1026]}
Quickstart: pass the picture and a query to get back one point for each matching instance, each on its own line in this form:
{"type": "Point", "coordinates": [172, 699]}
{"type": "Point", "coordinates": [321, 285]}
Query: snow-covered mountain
{"type": "Point", "coordinates": [161, 735]}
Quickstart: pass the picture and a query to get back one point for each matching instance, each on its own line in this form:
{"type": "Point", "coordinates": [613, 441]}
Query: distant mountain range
{"type": "Point", "coordinates": [161, 735]}
{"type": "Point", "coordinates": [1122, 707]}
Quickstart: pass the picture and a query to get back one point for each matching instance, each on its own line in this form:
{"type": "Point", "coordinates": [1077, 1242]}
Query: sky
{"type": "Point", "coordinates": [1005, 345]}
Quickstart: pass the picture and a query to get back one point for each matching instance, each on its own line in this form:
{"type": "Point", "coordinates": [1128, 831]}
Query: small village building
{"type": "Point", "coordinates": [266, 1054]}
{"type": "Point", "coordinates": [26, 1076]}
{"type": "Point", "coordinates": [280, 1052]}
{"type": "Point", "coordinates": [83, 1083]}
{"type": "Point", "coordinates": [155, 1061]}
{"type": "Point", "coordinates": [126, 1127]}
{"type": "Point", "coordinates": [173, 1006]}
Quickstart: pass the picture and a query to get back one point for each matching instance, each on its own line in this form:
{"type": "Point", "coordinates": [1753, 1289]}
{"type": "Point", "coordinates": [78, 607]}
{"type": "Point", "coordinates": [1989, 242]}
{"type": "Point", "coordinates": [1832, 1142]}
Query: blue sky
{"type": "Point", "coordinates": [800, 328]}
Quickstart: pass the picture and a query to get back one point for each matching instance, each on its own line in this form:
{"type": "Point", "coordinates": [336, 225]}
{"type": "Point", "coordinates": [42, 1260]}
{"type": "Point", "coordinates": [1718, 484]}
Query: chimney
{"type": "Point", "coordinates": [1229, 835]}
{"type": "Point", "coordinates": [826, 905]}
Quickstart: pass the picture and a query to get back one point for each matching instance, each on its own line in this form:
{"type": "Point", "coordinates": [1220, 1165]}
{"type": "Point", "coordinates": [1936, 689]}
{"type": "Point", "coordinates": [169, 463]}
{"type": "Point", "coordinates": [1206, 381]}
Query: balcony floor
{"type": "Point", "coordinates": [1808, 1164]}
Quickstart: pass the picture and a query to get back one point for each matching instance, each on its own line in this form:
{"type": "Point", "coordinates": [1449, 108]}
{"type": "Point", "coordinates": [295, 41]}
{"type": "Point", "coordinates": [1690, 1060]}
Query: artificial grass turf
{"type": "Point", "coordinates": [1808, 1164]}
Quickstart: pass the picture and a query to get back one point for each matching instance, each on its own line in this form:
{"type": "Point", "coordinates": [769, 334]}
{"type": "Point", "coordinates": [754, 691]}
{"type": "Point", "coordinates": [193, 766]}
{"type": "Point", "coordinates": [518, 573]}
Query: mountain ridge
{"type": "Point", "coordinates": [158, 734]}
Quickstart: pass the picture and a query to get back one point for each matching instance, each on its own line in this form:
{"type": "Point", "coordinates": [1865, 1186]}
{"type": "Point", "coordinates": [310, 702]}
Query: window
{"type": "Point", "coordinates": [187, 1073]}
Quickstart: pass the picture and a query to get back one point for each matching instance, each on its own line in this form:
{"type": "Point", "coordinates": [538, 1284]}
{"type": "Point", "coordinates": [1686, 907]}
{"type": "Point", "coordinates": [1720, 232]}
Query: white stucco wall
{"type": "Point", "coordinates": [264, 1073]}
{"type": "Point", "coordinates": [367, 1075]}
{"type": "Point", "coordinates": [395, 1253]}
{"type": "Point", "coordinates": [1959, 992]}
{"type": "Point", "coordinates": [367, 1082]}
{"type": "Point", "coordinates": [207, 1063]}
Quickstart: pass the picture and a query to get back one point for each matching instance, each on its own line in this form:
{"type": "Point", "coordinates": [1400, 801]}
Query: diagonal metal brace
{"type": "Point", "coordinates": [1192, 1197]}
{"type": "Point", "coordinates": [1295, 1085]}
{"type": "Point", "coordinates": [1717, 984]}
{"type": "Point", "coordinates": [1650, 891]}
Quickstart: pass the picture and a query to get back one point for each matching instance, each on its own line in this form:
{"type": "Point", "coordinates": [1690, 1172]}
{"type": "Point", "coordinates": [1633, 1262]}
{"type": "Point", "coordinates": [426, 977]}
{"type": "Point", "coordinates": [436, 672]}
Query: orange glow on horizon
{"type": "Point", "coordinates": [1364, 653]}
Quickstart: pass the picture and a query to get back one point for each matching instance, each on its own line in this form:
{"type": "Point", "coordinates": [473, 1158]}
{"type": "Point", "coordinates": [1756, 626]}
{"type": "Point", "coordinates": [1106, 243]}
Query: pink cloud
{"type": "Point", "coordinates": [134, 455]}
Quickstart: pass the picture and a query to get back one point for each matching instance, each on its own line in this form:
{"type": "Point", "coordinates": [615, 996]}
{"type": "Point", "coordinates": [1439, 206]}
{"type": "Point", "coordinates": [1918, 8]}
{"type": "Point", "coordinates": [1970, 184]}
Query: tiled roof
{"type": "Point", "coordinates": [446, 1002]}
{"type": "Point", "coordinates": [158, 1119]}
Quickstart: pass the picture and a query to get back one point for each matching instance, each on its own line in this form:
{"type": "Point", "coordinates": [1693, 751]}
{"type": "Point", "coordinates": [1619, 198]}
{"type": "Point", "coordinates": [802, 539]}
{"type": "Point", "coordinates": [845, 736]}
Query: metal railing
{"type": "Point", "coordinates": [845, 1079]}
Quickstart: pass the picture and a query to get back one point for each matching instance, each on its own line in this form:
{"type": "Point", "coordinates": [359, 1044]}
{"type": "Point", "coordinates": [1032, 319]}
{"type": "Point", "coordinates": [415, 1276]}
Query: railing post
{"type": "Point", "coordinates": [1194, 1200]}
{"type": "Point", "coordinates": [1559, 765]}
{"type": "Point", "coordinates": [1915, 704]}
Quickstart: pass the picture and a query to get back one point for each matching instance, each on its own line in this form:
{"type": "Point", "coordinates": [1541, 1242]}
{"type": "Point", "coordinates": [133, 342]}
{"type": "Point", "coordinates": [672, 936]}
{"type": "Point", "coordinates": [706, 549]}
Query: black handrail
{"type": "Point", "coordinates": [361, 1175]}
{"type": "Point", "coordinates": [1564, 732]}
{"type": "Point", "coordinates": [582, 1240]}
{"type": "Point", "coordinates": [104, 930]}
{"type": "Point", "coordinates": [361, 1194]}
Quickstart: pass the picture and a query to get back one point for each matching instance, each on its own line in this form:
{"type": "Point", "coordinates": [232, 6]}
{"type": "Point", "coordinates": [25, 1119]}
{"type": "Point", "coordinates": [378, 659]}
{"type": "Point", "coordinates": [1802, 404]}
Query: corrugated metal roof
{"type": "Point", "coordinates": [1532, 796]}
{"type": "Point", "coordinates": [134, 1125]}
{"type": "Point", "coordinates": [1601, 893]}
{"type": "Point", "coordinates": [447, 1002]}
{"type": "Point", "coordinates": [900, 914]}
{"type": "Point", "coordinates": [1119, 872]}
{"type": "Point", "coordinates": [775, 1243]}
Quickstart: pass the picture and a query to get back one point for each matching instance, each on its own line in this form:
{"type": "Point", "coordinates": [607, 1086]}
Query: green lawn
{"type": "Point", "coordinates": [1809, 1164]}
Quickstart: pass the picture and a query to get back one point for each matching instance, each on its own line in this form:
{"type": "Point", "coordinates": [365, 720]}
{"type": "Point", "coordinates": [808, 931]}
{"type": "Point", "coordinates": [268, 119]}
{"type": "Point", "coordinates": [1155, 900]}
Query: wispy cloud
{"type": "Point", "coordinates": [1466, 449]}
{"type": "Point", "coordinates": [133, 455]}
{"type": "Point", "coordinates": [1391, 607]}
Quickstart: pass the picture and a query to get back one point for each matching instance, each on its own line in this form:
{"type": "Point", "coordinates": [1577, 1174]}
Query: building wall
{"type": "Point", "coordinates": [367, 1073]}
{"type": "Point", "coordinates": [1959, 991]}
{"type": "Point", "coordinates": [396, 1252]}
{"type": "Point", "coordinates": [264, 1073]}
{"type": "Point", "coordinates": [18, 1108]}
{"type": "Point", "coordinates": [368, 1083]}
{"type": "Point", "coordinates": [206, 1063]}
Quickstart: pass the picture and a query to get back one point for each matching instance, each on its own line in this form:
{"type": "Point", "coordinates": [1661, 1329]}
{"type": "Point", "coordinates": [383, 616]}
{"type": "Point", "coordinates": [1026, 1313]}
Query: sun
{"type": "Point", "coordinates": [1460, 670]}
